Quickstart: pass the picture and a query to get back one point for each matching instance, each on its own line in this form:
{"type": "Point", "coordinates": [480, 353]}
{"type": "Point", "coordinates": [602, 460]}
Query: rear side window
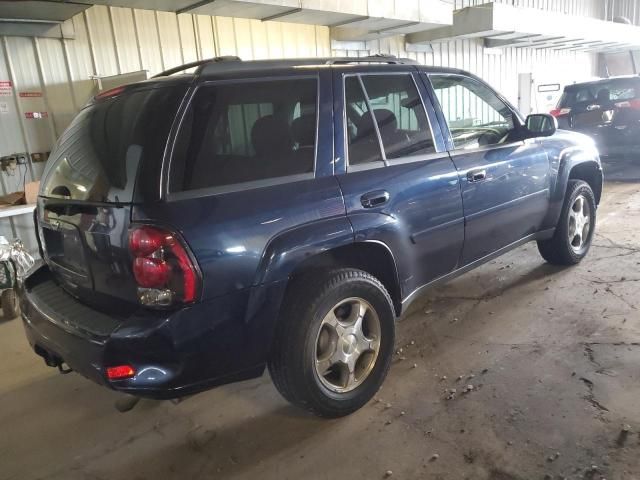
{"type": "Point", "coordinates": [615, 90]}
{"type": "Point", "coordinates": [98, 156]}
{"type": "Point", "coordinates": [244, 132]}
{"type": "Point", "coordinates": [393, 105]}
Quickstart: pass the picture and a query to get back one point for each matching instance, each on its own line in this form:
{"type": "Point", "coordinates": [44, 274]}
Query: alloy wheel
{"type": "Point", "coordinates": [347, 345]}
{"type": "Point", "coordinates": [579, 223]}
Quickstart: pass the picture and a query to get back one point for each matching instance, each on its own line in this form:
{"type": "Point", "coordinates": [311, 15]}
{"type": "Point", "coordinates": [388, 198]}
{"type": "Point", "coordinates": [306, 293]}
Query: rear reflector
{"type": "Point", "coordinates": [120, 372]}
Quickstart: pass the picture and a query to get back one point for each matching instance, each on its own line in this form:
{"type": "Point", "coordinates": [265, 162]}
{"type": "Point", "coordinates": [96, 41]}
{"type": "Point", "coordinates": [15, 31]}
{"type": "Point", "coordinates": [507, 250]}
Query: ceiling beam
{"type": "Point", "coordinates": [281, 14]}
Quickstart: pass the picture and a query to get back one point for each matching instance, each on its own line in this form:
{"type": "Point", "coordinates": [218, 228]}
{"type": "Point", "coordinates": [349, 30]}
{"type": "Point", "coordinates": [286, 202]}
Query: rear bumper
{"type": "Point", "coordinates": [173, 353]}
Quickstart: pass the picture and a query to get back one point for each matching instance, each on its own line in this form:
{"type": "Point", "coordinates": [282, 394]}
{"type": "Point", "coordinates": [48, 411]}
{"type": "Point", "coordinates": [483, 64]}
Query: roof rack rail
{"type": "Point", "coordinates": [198, 63]}
{"type": "Point", "coordinates": [377, 58]}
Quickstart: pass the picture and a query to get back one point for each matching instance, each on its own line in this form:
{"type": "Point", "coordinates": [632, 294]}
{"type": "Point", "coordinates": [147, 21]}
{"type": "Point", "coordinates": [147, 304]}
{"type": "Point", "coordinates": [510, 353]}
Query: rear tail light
{"type": "Point", "coordinates": [558, 112]}
{"type": "Point", "coordinates": [163, 270]}
{"type": "Point", "coordinates": [634, 104]}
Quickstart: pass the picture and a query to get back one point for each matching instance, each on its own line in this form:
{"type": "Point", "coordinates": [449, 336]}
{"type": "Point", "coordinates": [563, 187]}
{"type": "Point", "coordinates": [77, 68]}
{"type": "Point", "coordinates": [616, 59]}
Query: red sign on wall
{"type": "Point", "coordinates": [36, 115]}
{"type": "Point", "coordinates": [6, 88]}
{"type": "Point", "coordinates": [30, 94]}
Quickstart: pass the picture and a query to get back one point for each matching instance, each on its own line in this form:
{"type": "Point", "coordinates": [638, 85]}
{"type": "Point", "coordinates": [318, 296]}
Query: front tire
{"type": "Point", "coordinates": [334, 342]}
{"type": "Point", "coordinates": [574, 232]}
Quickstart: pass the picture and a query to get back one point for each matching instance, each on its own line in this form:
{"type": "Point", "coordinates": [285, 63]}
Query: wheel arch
{"type": "Point", "coordinates": [589, 172]}
{"type": "Point", "coordinates": [575, 162]}
{"type": "Point", "coordinates": [371, 256]}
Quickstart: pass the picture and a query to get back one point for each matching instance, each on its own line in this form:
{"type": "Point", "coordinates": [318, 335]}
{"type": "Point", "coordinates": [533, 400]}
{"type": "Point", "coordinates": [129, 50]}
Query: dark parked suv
{"type": "Point", "coordinates": [607, 110]}
{"type": "Point", "coordinates": [199, 227]}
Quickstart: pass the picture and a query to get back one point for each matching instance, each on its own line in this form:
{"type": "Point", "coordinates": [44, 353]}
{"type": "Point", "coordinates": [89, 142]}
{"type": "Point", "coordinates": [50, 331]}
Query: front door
{"type": "Point", "coordinates": [399, 184]}
{"type": "Point", "coordinates": [505, 182]}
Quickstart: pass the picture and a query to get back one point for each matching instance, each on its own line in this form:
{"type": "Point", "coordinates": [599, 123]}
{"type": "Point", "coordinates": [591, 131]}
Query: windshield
{"type": "Point", "coordinates": [97, 157]}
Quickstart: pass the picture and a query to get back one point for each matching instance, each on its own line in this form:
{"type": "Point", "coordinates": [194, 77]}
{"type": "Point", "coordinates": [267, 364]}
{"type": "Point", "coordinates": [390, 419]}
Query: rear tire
{"type": "Point", "coordinates": [10, 306]}
{"type": "Point", "coordinates": [334, 342]}
{"type": "Point", "coordinates": [572, 238]}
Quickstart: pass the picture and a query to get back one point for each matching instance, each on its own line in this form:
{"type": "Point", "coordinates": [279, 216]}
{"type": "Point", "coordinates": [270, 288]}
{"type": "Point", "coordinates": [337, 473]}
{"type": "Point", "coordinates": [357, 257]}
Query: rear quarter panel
{"type": "Point", "coordinates": [235, 236]}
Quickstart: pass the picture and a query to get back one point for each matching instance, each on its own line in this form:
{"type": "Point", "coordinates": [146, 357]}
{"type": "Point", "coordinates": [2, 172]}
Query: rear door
{"type": "Point", "coordinates": [400, 186]}
{"type": "Point", "coordinates": [505, 181]}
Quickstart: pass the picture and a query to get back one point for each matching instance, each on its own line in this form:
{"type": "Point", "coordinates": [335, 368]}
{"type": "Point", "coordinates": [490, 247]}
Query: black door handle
{"type": "Point", "coordinates": [374, 199]}
{"type": "Point", "coordinates": [476, 175]}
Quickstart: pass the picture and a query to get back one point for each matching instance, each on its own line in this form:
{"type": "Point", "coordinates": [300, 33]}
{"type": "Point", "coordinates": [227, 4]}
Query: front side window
{"type": "Point", "coordinates": [396, 111]}
{"type": "Point", "coordinates": [474, 113]}
{"type": "Point", "coordinates": [244, 132]}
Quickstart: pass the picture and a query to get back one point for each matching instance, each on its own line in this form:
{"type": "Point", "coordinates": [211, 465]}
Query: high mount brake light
{"type": "Point", "coordinates": [162, 268]}
{"type": "Point", "coordinates": [113, 92]}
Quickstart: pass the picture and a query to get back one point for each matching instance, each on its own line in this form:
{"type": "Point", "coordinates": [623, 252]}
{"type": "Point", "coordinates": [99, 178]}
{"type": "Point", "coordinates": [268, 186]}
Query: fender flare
{"type": "Point", "coordinates": [285, 251]}
{"type": "Point", "coordinates": [568, 159]}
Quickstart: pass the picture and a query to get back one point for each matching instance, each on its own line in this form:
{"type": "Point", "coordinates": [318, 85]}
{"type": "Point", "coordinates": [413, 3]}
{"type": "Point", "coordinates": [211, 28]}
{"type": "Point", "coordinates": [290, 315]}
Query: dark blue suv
{"type": "Point", "coordinates": [199, 227]}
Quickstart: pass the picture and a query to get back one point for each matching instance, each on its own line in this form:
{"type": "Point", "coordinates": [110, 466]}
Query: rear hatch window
{"type": "Point", "coordinates": [98, 157]}
{"type": "Point", "coordinates": [615, 90]}
{"type": "Point", "coordinates": [87, 191]}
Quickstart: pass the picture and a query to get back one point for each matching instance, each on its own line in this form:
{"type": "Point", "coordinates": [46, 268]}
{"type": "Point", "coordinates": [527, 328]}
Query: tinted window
{"type": "Point", "coordinates": [243, 132]}
{"type": "Point", "coordinates": [98, 156]}
{"type": "Point", "coordinates": [362, 139]}
{"type": "Point", "coordinates": [400, 114]}
{"type": "Point", "coordinates": [615, 90]}
{"type": "Point", "coordinates": [475, 114]}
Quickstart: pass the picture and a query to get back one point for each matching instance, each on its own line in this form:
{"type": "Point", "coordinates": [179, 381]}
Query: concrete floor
{"type": "Point", "coordinates": [552, 355]}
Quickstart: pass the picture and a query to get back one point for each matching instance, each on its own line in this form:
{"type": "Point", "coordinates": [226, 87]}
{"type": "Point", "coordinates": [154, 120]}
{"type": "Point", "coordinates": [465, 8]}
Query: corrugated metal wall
{"type": "Point", "coordinates": [584, 8]}
{"type": "Point", "coordinates": [623, 8]}
{"type": "Point", "coordinates": [110, 41]}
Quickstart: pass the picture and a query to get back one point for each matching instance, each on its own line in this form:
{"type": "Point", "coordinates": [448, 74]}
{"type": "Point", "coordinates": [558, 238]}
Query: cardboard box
{"type": "Point", "coordinates": [15, 198]}
{"type": "Point", "coordinates": [31, 191]}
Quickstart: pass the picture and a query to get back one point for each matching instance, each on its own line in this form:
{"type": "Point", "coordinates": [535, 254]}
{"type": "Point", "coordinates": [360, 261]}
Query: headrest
{"type": "Point", "coordinates": [386, 121]}
{"type": "Point", "coordinates": [604, 95]}
{"type": "Point", "coordinates": [270, 135]}
{"type": "Point", "coordinates": [304, 130]}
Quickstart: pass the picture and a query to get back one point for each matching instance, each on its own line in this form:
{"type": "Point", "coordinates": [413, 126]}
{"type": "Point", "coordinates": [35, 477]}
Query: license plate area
{"type": "Point", "coordinates": [65, 252]}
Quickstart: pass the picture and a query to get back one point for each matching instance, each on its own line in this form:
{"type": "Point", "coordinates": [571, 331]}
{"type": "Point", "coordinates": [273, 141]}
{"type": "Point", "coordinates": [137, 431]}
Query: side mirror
{"type": "Point", "coordinates": [541, 125]}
